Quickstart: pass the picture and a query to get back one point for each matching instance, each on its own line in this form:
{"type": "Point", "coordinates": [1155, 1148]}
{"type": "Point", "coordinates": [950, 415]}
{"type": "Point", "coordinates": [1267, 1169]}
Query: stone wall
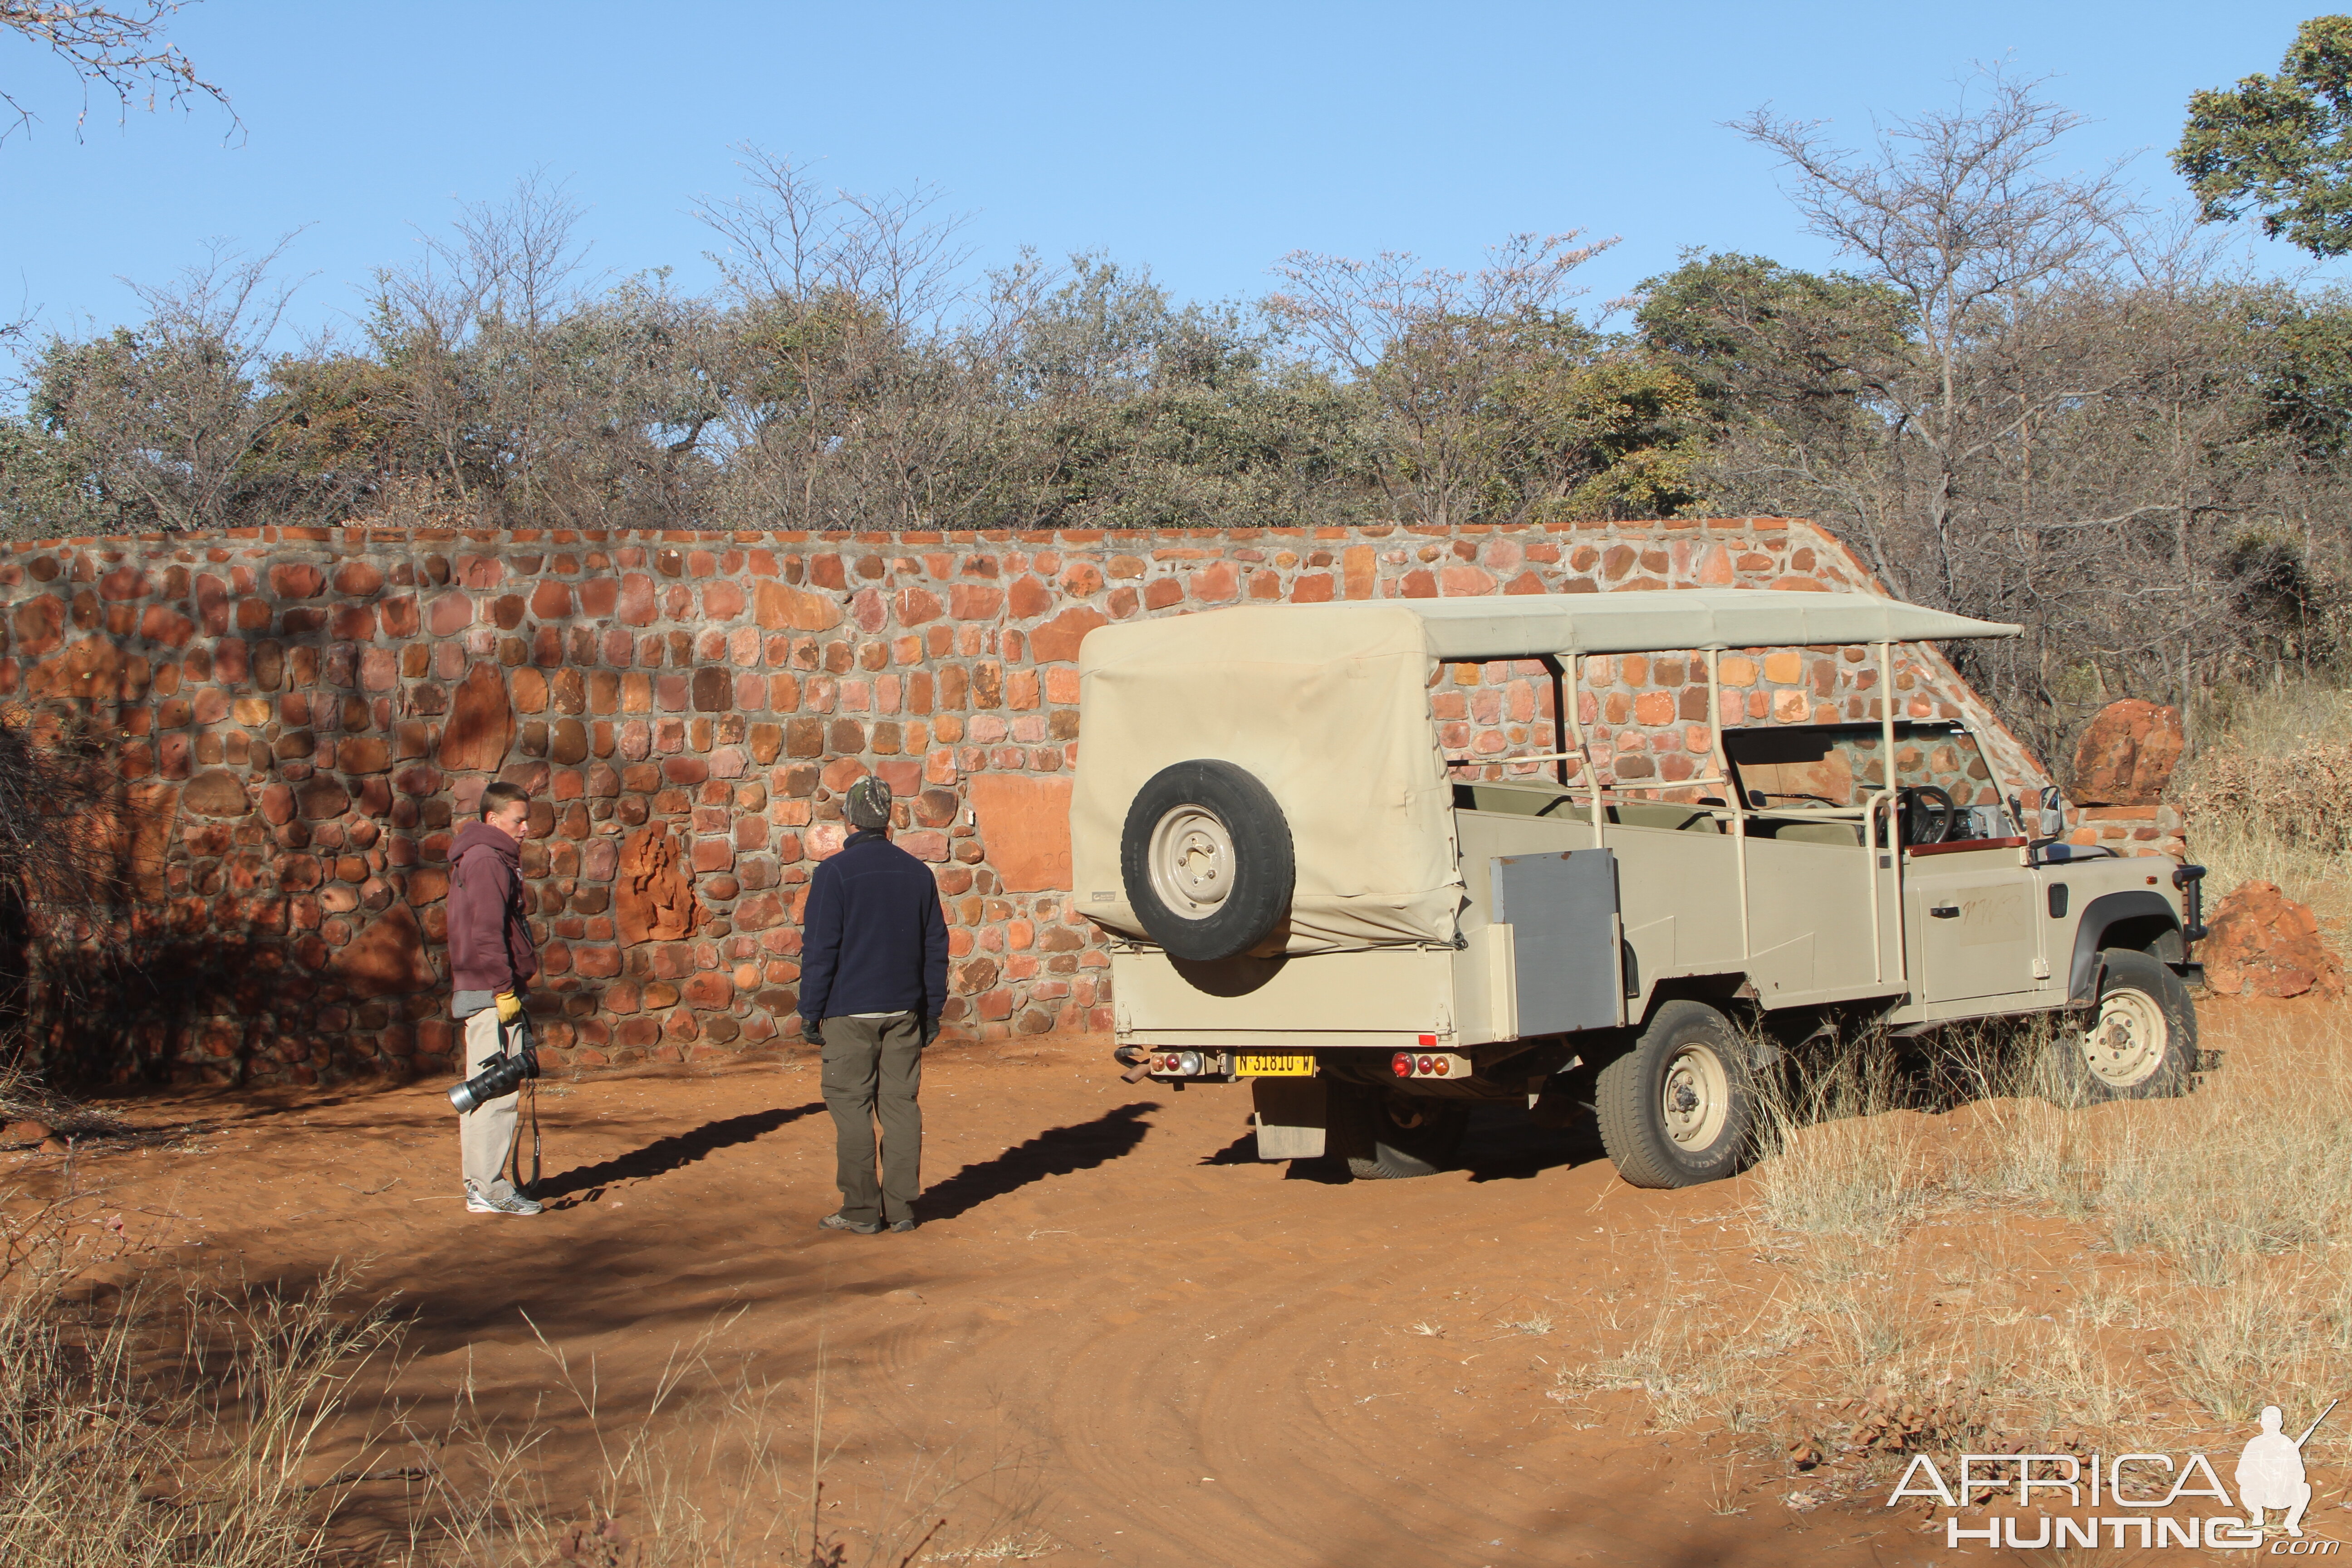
{"type": "Point", "coordinates": [299, 716]}
{"type": "Point", "coordinates": [2122, 768]}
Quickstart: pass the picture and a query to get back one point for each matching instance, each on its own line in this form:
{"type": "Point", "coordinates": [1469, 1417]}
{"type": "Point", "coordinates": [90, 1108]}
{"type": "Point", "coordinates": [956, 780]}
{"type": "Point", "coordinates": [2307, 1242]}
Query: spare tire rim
{"type": "Point", "coordinates": [2125, 1045]}
{"type": "Point", "coordinates": [1697, 1100]}
{"type": "Point", "coordinates": [1190, 861]}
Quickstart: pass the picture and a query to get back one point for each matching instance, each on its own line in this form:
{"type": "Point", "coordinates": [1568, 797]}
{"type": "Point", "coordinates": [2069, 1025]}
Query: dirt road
{"type": "Point", "coordinates": [1113, 1318]}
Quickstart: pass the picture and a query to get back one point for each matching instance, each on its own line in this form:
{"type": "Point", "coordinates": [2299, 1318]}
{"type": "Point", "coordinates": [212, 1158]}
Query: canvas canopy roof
{"type": "Point", "coordinates": [1675, 622]}
{"type": "Point", "coordinates": [1327, 705]}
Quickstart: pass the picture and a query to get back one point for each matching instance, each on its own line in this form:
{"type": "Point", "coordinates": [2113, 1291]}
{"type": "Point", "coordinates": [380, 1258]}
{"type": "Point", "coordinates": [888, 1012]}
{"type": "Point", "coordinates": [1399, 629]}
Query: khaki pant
{"type": "Point", "coordinates": [873, 1070]}
{"type": "Point", "coordinates": [486, 1134]}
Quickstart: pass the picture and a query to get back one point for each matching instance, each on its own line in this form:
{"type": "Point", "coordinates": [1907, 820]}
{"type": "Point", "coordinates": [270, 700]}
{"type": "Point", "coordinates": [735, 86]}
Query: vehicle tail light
{"type": "Point", "coordinates": [1422, 1063]}
{"type": "Point", "coordinates": [1437, 1065]}
{"type": "Point", "coordinates": [1188, 1063]}
{"type": "Point", "coordinates": [1401, 1064]}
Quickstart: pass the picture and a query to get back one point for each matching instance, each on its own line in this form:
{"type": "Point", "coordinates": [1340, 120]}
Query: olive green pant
{"type": "Point", "coordinates": [873, 1070]}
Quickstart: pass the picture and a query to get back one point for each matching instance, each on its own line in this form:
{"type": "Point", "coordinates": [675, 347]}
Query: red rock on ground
{"type": "Point", "coordinates": [2128, 754]}
{"type": "Point", "coordinates": [2263, 944]}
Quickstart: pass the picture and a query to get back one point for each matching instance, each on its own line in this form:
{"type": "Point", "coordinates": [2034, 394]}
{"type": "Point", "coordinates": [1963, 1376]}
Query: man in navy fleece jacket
{"type": "Point", "coordinates": [874, 979]}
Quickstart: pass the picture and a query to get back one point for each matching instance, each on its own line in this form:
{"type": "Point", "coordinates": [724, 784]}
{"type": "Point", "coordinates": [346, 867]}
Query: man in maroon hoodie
{"type": "Point", "coordinates": [491, 959]}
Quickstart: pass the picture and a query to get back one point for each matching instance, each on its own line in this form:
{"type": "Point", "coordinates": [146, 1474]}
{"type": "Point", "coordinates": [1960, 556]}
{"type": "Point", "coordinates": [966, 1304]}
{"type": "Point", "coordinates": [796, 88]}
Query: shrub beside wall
{"type": "Point", "coordinates": [300, 716]}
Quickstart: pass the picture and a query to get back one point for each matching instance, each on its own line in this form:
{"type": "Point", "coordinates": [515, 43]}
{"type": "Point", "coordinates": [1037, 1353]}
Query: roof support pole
{"type": "Point", "coordinates": [1894, 816]}
{"type": "Point", "coordinates": [1731, 789]}
{"type": "Point", "coordinates": [1574, 718]}
{"type": "Point", "coordinates": [1561, 720]}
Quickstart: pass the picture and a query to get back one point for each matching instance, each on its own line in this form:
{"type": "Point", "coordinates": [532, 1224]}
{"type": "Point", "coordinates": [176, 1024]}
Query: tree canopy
{"type": "Point", "coordinates": [2278, 144]}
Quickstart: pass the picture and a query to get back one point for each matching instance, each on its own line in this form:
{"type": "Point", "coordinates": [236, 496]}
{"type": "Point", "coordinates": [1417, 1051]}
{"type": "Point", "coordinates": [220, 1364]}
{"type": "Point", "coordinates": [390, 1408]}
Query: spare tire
{"type": "Point", "coordinates": [1206, 860]}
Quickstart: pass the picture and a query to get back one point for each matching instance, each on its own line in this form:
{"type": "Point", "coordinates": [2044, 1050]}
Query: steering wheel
{"type": "Point", "coordinates": [1930, 813]}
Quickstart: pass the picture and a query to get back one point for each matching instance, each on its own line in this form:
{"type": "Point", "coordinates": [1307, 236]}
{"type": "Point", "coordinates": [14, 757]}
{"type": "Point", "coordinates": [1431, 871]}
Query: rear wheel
{"type": "Point", "coordinates": [1679, 1108]}
{"type": "Point", "coordinates": [1392, 1137]}
{"type": "Point", "coordinates": [2142, 1042]}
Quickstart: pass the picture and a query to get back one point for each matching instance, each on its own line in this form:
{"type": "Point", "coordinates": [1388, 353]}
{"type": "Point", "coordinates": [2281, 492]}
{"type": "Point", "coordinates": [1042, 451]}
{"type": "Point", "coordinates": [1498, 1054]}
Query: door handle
{"type": "Point", "coordinates": [1946, 912]}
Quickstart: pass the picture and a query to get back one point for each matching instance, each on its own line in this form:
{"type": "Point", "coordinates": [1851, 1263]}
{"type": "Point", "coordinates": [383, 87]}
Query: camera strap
{"type": "Point", "coordinates": [524, 1037]}
{"type": "Point", "coordinates": [530, 1100]}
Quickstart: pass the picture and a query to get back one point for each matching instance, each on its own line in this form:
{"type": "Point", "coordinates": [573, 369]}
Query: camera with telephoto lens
{"type": "Point", "coordinates": [502, 1077]}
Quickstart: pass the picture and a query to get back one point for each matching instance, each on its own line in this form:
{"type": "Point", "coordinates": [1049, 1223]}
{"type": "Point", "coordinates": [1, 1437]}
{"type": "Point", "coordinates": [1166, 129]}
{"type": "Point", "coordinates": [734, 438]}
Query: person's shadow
{"type": "Point", "coordinates": [1056, 1152]}
{"type": "Point", "coordinates": [664, 1155]}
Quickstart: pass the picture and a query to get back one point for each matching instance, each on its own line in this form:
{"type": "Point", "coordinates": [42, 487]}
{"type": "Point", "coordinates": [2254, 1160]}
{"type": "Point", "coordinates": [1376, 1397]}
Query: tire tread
{"type": "Point", "coordinates": [1630, 1128]}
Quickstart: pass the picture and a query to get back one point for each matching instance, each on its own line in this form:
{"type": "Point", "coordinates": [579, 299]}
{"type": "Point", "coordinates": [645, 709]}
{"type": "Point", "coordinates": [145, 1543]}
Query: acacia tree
{"type": "Point", "coordinates": [1961, 216]}
{"type": "Point", "coordinates": [1115, 408]}
{"type": "Point", "coordinates": [2026, 403]}
{"type": "Point", "coordinates": [1790, 367]}
{"type": "Point", "coordinates": [465, 327]}
{"type": "Point", "coordinates": [841, 394]}
{"type": "Point", "coordinates": [1428, 346]}
{"type": "Point", "coordinates": [167, 419]}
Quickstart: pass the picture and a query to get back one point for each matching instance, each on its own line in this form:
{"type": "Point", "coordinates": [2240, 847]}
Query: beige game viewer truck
{"type": "Point", "coordinates": [1307, 894]}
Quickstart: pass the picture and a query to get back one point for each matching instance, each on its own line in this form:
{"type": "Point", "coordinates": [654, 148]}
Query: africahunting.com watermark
{"type": "Point", "coordinates": [2154, 1499]}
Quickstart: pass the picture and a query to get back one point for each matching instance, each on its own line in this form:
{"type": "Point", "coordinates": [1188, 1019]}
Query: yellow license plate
{"type": "Point", "coordinates": [1276, 1067]}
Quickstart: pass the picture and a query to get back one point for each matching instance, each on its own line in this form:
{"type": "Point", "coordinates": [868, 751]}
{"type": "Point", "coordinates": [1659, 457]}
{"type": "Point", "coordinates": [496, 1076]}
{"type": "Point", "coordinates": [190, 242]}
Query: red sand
{"type": "Point", "coordinates": [1206, 1361]}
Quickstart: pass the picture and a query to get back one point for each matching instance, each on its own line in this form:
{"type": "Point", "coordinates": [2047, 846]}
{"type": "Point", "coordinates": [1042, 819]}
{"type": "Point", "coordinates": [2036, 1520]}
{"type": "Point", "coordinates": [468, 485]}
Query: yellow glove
{"type": "Point", "coordinates": [509, 1007]}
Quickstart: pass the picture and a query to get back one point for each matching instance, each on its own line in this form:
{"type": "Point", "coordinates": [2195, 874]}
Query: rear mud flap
{"type": "Point", "coordinates": [1293, 1116]}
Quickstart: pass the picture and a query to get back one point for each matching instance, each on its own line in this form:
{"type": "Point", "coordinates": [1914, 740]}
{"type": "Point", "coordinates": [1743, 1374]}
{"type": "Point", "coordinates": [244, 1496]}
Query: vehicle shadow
{"type": "Point", "coordinates": [1056, 1152]}
{"type": "Point", "coordinates": [664, 1155]}
{"type": "Point", "coordinates": [1242, 1151]}
{"type": "Point", "coordinates": [1503, 1143]}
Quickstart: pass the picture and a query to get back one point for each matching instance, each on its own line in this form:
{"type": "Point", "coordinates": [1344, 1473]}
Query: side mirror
{"type": "Point", "coordinates": [2053, 812]}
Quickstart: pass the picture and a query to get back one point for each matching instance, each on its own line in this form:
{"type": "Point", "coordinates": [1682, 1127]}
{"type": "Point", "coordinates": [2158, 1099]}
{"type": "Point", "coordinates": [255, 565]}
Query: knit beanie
{"type": "Point", "coordinates": [868, 804]}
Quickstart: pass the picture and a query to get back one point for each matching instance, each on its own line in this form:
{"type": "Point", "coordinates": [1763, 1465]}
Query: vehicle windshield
{"type": "Point", "coordinates": [1839, 765]}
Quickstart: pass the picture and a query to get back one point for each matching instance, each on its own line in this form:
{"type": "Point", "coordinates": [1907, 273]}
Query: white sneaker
{"type": "Point", "coordinates": [501, 1198]}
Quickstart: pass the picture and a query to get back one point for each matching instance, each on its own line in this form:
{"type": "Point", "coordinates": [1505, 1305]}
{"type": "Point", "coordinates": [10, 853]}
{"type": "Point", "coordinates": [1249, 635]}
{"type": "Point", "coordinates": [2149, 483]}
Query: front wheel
{"type": "Point", "coordinates": [2142, 1042]}
{"type": "Point", "coordinates": [1679, 1108]}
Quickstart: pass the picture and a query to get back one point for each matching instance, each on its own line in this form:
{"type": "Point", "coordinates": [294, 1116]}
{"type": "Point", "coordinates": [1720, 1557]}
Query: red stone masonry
{"type": "Point", "coordinates": [300, 715]}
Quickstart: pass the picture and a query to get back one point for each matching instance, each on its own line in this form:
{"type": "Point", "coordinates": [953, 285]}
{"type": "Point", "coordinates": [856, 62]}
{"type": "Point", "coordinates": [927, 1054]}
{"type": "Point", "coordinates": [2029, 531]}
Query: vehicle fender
{"type": "Point", "coordinates": [2103, 914]}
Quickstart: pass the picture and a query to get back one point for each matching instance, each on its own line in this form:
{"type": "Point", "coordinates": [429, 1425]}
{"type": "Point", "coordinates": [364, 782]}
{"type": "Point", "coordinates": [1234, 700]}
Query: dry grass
{"type": "Point", "coordinates": [2268, 797]}
{"type": "Point", "coordinates": [734, 1474]}
{"type": "Point", "coordinates": [145, 1426]}
{"type": "Point", "coordinates": [150, 1419]}
{"type": "Point", "coordinates": [2146, 1272]}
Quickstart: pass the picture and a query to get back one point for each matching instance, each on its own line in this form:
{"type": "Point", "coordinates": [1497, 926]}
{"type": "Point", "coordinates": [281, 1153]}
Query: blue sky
{"type": "Point", "coordinates": [1202, 140]}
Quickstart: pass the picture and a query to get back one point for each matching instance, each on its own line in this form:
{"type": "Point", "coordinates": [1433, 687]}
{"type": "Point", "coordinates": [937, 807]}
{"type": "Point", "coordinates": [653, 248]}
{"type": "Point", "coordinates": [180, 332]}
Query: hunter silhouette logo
{"type": "Point", "coordinates": [2269, 1470]}
{"type": "Point", "coordinates": [2149, 1492]}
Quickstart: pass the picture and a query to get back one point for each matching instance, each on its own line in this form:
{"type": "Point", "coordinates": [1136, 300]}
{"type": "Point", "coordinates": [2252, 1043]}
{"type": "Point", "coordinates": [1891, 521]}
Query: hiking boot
{"type": "Point", "coordinates": [901, 1227]}
{"type": "Point", "coordinates": [500, 1197]}
{"type": "Point", "coordinates": [854, 1227]}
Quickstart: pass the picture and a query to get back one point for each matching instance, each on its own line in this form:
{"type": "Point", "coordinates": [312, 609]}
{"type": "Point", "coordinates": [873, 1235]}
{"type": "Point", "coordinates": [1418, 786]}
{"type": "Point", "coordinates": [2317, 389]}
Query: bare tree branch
{"type": "Point", "coordinates": [117, 48]}
{"type": "Point", "coordinates": [1429, 344]}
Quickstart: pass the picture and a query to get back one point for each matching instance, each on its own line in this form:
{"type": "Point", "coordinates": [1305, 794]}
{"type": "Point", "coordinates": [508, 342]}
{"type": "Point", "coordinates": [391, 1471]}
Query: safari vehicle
{"type": "Point", "coordinates": [1307, 894]}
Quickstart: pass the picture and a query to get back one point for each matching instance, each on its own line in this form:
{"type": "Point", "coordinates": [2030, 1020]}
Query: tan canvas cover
{"type": "Point", "coordinates": [1330, 712]}
{"type": "Point", "coordinates": [1329, 706]}
{"type": "Point", "coordinates": [1679, 621]}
